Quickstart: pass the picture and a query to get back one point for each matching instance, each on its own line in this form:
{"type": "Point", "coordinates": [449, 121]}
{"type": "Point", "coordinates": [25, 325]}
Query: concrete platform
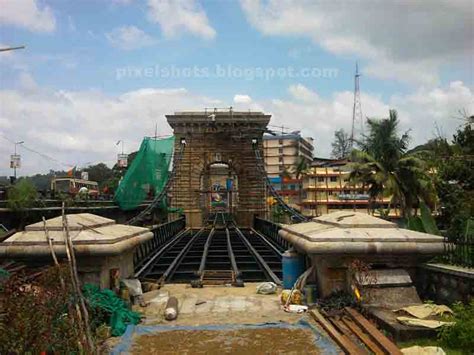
{"type": "Point", "coordinates": [102, 247]}
{"type": "Point", "coordinates": [220, 305]}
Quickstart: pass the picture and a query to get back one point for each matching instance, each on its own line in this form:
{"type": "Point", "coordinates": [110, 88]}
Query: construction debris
{"type": "Point", "coordinates": [266, 288]}
{"type": "Point", "coordinates": [425, 323]}
{"type": "Point", "coordinates": [354, 333]}
{"type": "Point", "coordinates": [424, 311]}
{"type": "Point", "coordinates": [171, 309]}
{"type": "Point", "coordinates": [423, 350]}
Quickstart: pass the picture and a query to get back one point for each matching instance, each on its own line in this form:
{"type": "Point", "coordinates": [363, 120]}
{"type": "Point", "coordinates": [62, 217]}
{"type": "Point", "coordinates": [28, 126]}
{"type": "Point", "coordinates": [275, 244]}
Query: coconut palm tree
{"type": "Point", "coordinates": [383, 165]}
{"type": "Point", "coordinates": [300, 169]}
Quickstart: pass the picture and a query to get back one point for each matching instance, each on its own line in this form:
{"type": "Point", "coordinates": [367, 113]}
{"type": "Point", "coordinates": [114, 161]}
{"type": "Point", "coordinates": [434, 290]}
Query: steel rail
{"type": "Point", "coordinates": [165, 248]}
{"type": "Point", "coordinates": [259, 258]}
{"type": "Point", "coordinates": [205, 252]}
{"type": "Point", "coordinates": [233, 263]}
{"type": "Point", "coordinates": [271, 245]}
{"type": "Point", "coordinates": [179, 258]}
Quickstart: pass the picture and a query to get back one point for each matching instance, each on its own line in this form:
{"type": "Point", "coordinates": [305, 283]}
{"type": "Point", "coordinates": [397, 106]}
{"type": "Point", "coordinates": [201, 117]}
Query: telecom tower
{"type": "Point", "coordinates": [357, 109]}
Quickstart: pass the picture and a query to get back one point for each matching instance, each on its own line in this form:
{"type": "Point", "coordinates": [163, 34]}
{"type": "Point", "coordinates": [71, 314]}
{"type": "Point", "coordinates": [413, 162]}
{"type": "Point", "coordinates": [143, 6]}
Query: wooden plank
{"type": "Point", "coordinates": [346, 344]}
{"type": "Point", "coordinates": [386, 344]}
{"type": "Point", "coordinates": [339, 326]}
{"type": "Point", "coordinates": [347, 332]}
{"type": "Point", "coordinates": [362, 336]}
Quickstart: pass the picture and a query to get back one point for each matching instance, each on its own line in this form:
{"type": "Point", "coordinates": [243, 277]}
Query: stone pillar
{"type": "Point", "coordinates": [226, 138]}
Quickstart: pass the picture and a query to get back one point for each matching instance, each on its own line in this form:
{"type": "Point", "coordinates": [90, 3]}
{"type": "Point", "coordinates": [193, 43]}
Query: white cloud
{"type": "Point", "coordinates": [129, 38]}
{"type": "Point", "coordinates": [77, 127]}
{"type": "Point", "coordinates": [28, 14]}
{"type": "Point", "coordinates": [27, 82]}
{"type": "Point", "coordinates": [407, 40]}
{"type": "Point", "coordinates": [242, 99]}
{"type": "Point", "coordinates": [302, 93]}
{"type": "Point", "coordinates": [420, 112]}
{"type": "Point", "coordinates": [178, 16]}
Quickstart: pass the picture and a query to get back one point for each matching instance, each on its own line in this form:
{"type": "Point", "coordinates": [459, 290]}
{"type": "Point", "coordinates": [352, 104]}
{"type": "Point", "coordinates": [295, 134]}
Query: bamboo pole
{"type": "Point", "coordinates": [83, 314]}
{"type": "Point", "coordinates": [53, 254]}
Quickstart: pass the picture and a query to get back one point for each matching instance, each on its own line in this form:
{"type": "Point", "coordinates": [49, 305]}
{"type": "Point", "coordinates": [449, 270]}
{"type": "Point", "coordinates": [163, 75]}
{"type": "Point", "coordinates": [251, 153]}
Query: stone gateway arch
{"type": "Point", "coordinates": [218, 167]}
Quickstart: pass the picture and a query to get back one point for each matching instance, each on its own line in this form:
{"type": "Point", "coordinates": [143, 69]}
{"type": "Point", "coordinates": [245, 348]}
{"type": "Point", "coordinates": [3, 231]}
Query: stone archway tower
{"type": "Point", "coordinates": [224, 136]}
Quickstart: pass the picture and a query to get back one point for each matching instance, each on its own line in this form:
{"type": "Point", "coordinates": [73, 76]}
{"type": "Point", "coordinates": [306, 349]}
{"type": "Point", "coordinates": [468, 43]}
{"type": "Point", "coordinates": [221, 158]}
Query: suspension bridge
{"type": "Point", "coordinates": [209, 243]}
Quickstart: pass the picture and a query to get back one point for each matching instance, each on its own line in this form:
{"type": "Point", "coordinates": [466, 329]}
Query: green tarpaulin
{"type": "Point", "coordinates": [148, 173]}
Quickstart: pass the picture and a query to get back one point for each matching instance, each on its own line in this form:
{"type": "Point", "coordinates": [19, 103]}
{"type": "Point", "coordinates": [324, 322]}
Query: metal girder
{"type": "Point", "coordinates": [170, 270]}
{"type": "Point", "coordinates": [161, 251]}
{"type": "Point", "coordinates": [259, 258]}
{"type": "Point", "coordinates": [264, 239]}
{"type": "Point", "coordinates": [230, 252]}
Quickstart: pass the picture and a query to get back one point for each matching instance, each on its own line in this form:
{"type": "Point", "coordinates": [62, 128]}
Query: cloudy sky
{"type": "Point", "coordinates": [98, 71]}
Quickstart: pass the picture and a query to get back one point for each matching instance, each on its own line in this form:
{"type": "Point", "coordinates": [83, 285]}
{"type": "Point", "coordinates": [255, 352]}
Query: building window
{"type": "Point", "coordinates": [320, 179]}
{"type": "Point", "coordinates": [280, 141]}
{"type": "Point", "coordinates": [333, 178]}
{"type": "Point", "coordinates": [280, 159]}
{"type": "Point", "coordinates": [280, 150]}
{"type": "Point", "coordinates": [281, 167]}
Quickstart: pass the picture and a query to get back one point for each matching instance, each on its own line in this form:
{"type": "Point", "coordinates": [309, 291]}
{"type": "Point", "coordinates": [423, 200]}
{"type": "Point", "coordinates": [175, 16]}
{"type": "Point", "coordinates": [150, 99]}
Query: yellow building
{"type": "Point", "coordinates": [326, 188]}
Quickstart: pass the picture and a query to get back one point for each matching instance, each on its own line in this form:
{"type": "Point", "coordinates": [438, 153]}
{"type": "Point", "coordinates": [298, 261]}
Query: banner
{"type": "Point", "coordinates": [15, 161]}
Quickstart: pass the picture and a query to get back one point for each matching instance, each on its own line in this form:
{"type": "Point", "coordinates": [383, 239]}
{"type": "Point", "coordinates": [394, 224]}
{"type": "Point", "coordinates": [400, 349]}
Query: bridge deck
{"type": "Point", "coordinates": [214, 255]}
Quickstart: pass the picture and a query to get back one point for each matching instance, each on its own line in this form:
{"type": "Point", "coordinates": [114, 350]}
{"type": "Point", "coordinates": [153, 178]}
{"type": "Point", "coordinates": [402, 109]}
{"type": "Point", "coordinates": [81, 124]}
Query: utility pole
{"type": "Point", "coordinates": [357, 108]}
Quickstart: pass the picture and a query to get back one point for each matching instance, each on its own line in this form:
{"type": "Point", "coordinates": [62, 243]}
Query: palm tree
{"type": "Point", "coordinates": [383, 165]}
{"type": "Point", "coordinates": [300, 169]}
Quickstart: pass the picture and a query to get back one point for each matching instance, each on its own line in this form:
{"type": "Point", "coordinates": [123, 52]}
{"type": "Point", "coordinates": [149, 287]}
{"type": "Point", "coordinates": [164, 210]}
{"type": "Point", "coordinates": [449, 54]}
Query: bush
{"type": "Point", "coordinates": [36, 315]}
{"type": "Point", "coordinates": [22, 195]}
{"type": "Point", "coordinates": [461, 334]}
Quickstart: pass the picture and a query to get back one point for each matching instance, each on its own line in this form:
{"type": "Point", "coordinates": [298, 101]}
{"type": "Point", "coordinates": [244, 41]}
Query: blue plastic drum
{"type": "Point", "coordinates": [293, 266]}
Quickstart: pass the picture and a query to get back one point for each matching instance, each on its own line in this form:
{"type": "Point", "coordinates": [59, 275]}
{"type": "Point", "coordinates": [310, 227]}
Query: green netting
{"type": "Point", "coordinates": [148, 173]}
{"type": "Point", "coordinates": [119, 316]}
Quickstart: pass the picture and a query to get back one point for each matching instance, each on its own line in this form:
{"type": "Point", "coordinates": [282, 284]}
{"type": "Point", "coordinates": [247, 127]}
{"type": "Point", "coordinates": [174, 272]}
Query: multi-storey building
{"type": "Point", "coordinates": [282, 154]}
{"type": "Point", "coordinates": [326, 188]}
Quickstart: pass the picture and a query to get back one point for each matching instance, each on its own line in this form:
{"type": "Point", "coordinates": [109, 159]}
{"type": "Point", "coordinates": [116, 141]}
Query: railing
{"type": "Point", "coordinates": [461, 251]}
{"type": "Point", "coordinates": [270, 230]}
{"type": "Point", "coordinates": [161, 234]}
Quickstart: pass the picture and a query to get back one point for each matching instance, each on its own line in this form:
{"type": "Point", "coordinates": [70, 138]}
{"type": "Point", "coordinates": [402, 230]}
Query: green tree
{"type": "Point", "coordinates": [384, 166]}
{"type": "Point", "coordinates": [22, 195]}
{"type": "Point", "coordinates": [455, 181]}
{"type": "Point", "coordinates": [100, 173]}
{"type": "Point", "coordinates": [341, 146]}
{"type": "Point", "coordinates": [300, 169]}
